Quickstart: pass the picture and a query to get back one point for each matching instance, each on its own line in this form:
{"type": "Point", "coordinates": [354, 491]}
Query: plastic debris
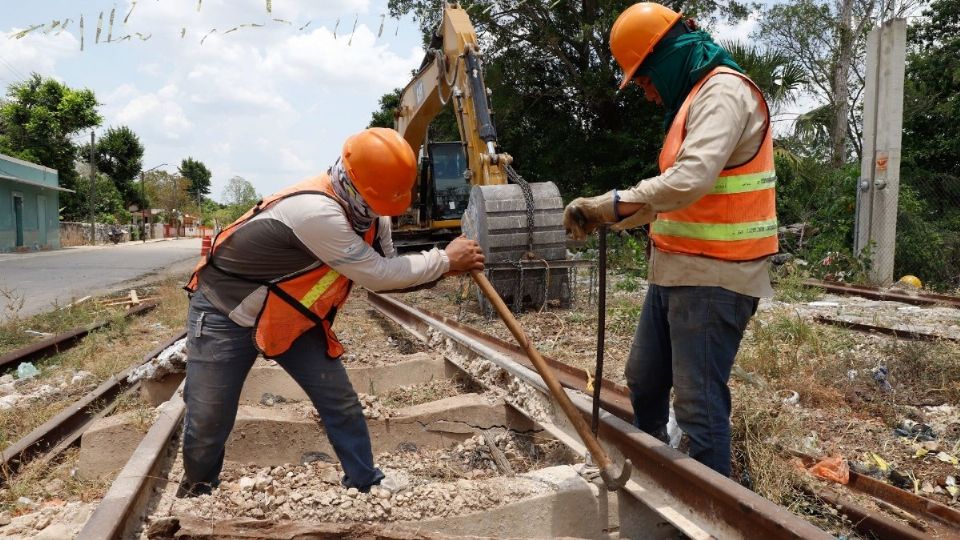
{"type": "Point", "coordinates": [36, 333]}
{"type": "Point", "coordinates": [880, 374]}
{"type": "Point", "coordinates": [674, 433]}
{"type": "Point", "coordinates": [822, 303]}
{"type": "Point", "coordinates": [947, 458]}
{"type": "Point", "coordinates": [881, 463]}
{"type": "Point", "coordinates": [915, 430]}
{"type": "Point", "coordinates": [834, 469]}
{"type": "Point", "coordinates": [790, 397]}
{"type": "Point", "coordinates": [951, 487]}
{"type": "Point", "coordinates": [27, 370]}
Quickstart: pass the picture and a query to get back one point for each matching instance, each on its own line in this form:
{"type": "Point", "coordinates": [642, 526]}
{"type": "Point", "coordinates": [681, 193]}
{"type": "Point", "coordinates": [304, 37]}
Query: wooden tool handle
{"type": "Point", "coordinates": [601, 457]}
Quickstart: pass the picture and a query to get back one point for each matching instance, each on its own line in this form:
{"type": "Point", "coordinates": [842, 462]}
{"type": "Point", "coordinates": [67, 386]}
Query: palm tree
{"type": "Point", "coordinates": [777, 76]}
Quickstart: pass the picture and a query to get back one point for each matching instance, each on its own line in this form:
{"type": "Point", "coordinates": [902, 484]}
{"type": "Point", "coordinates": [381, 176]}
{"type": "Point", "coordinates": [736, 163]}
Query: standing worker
{"type": "Point", "coordinates": [713, 224]}
{"type": "Point", "coordinates": [272, 283]}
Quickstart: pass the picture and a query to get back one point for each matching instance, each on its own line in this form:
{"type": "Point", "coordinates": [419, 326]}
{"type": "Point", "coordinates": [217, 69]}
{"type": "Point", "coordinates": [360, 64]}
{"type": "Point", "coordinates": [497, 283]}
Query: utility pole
{"type": "Point", "coordinates": [93, 189]}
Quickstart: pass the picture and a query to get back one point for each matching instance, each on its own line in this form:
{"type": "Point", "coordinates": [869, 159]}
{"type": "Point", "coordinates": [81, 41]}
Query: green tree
{"type": "Point", "coordinates": [167, 191]}
{"type": "Point", "coordinates": [238, 197]}
{"type": "Point", "coordinates": [928, 228]}
{"type": "Point", "coordinates": [120, 156]}
{"type": "Point", "coordinates": [383, 117]}
{"type": "Point", "coordinates": [38, 120]}
{"type": "Point", "coordinates": [198, 176]}
{"type": "Point", "coordinates": [108, 201]}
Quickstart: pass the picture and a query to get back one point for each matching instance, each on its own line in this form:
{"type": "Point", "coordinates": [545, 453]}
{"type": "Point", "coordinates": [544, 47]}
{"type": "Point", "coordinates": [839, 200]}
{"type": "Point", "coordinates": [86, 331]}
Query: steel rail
{"type": "Point", "coordinates": [65, 428]}
{"type": "Point", "coordinates": [117, 515]}
{"type": "Point", "coordinates": [680, 491]}
{"type": "Point", "coordinates": [886, 330]}
{"type": "Point", "coordinates": [874, 293]}
{"type": "Point", "coordinates": [56, 344]}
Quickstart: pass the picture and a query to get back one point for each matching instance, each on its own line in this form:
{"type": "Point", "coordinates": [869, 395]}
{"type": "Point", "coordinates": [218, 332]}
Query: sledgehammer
{"type": "Point", "coordinates": [613, 479]}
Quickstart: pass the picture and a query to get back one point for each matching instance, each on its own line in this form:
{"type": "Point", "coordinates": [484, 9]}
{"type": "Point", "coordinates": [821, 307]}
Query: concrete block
{"type": "Point", "coordinates": [109, 442]}
{"type": "Point", "coordinates": [572, 508]}
{"type": "Point", "coordinates": [433, 425]}
{"type": "Point", "coordinates": [156, 392]}
{"type": "Point", "coordinates": [274, 436]}
{"type": "Point", "coordinates": [417, 368]}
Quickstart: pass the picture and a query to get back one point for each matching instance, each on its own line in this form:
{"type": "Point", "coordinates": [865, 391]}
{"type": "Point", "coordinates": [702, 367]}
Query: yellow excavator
{"type": "Point", "coordinates": [470, 185]}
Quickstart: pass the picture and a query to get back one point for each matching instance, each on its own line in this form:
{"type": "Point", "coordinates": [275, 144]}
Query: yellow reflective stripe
{"type": "Point", "coordinates": [319, 288]}
{"type": "Point", "coordinates": [748, 230]}
{"type": "Point", "coordinates": [742, 183]}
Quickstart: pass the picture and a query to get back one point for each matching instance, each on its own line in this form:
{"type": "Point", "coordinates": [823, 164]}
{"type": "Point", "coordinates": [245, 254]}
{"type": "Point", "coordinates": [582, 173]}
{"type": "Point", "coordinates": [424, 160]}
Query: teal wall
{"type": "Point", "coordinates": [36, 234]}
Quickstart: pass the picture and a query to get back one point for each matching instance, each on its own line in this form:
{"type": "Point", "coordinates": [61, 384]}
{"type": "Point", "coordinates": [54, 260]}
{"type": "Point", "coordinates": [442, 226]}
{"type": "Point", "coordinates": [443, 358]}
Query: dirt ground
{"type": "Point", "coordinates": [798, 385]}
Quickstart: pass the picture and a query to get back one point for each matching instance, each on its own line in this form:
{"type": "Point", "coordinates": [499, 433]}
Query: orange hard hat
{"type": "Point", "coordinates": [635, 32]}
{"type": "Point", "coordinates": [383, 168]}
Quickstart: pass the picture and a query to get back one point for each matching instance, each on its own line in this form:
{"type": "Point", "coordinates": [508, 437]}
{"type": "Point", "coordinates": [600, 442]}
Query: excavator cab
{"type": "Point", "coordinates": [450, 182]}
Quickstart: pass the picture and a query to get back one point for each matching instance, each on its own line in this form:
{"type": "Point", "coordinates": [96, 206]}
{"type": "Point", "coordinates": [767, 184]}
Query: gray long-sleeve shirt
{"type": "Point", "coordinates": [725, 126]}
{"type": "Point", "coordinates": [304, 232]}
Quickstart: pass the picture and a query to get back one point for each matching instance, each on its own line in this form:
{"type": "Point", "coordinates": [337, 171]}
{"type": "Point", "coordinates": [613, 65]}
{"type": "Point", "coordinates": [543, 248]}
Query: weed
{"type": "Point", "coordinates": [628, 283]}
{"type": "Point", "coordinates": [928, 372]}
{"type": "Point", "coordinates": [623, 315]}
{"type": "Point", "coordinates": [790, 288]}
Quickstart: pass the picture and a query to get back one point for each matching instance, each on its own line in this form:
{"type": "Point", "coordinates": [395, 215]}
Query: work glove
{"type": "Point", "coordinates": [584, 214]}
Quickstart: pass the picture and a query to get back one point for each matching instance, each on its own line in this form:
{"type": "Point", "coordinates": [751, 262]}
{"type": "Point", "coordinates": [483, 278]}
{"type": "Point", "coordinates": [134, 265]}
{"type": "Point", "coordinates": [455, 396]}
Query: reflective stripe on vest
{"type": "Point", "coordinates": [321, 287]}
{"type": "Point", "coordinates": [737, 219]}
{"type": "Point", "coordinates": [718, 231]}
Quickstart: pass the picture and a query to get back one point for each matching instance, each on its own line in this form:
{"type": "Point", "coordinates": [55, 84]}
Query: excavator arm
{"type": "Point", "coordinates": [463, 185]}
{"type": "Point", "coordinates": [452, 73]}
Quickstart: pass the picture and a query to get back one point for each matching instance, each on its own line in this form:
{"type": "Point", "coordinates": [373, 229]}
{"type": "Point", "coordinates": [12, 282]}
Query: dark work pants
{"type": "Point", "coordinates": [220, 354]}
{"type": "Point", "coordinates": [687, 339]}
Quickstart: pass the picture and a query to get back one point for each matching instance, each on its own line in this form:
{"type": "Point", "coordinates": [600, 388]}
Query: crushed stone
{"type": "Point", "coordinates": [173, 359]}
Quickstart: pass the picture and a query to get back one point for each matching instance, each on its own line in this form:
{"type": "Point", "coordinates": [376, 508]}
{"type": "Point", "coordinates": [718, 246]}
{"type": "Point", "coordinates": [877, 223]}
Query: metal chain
{"type": "Point", "coordinates": [515, 177]}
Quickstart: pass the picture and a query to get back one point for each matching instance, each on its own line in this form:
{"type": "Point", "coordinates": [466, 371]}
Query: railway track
{"type": "Point", "coordinates": [64, 430]}
{"type": "Point", "coordinates": [919, 298]}
{"type": "Point", "coordinates": [669, 494]}
{"type": "Point", "coordinates": [63, 341]}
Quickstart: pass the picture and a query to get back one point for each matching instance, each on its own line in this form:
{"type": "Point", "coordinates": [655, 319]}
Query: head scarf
{"type": "Point", "coordinates": [679, 62]}
{"type": "Point", "coordinates": [361, 216]}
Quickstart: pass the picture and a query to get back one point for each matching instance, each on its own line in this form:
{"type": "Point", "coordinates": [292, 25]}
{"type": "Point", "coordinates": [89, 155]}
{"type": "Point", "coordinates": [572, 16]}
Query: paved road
{"type": "Point", "coordinates": [42, 279]}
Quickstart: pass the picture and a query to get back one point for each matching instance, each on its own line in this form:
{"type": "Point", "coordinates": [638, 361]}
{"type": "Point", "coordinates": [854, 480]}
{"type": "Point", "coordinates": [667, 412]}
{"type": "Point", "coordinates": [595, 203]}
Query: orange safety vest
{"type": "Point", "coordinates": [737, 220]}
{"type": "Point", "coordinates": [298, 302]}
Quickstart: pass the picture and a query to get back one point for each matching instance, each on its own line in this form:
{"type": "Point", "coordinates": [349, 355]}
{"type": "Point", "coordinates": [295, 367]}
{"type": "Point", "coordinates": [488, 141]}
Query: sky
{"type": "Point", "coordinates": [271, 104]}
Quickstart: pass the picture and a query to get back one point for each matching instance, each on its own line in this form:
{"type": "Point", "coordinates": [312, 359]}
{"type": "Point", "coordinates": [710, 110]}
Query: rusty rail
{"type": "Point", "coordinates": [885, 330]}
{"type": "Point", "coordinates": [65, 428]}
{"type": "Point", "coordinates": [941, 520]}
{"type": "Point", "coordinates": [52, 345]}
{"type": "Point", "coordinates": [685, 493]}
{"type": "Point", "coordinates": [874, 293]}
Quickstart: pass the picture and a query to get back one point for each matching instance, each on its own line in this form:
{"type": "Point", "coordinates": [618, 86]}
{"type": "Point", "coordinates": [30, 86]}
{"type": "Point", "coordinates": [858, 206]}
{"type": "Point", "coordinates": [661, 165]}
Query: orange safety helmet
{"type": "Point", "coordinates": [635, 32]}
{"type": "Point", "coordinates": [383, 168]}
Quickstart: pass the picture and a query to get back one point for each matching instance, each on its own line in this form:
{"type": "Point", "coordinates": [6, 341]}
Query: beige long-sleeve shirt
{"type": "Point", "coordinates": [726, 124]}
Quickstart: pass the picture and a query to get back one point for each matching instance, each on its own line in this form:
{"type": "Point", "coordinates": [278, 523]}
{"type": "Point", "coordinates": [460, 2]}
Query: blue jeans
{"type": "Point", "coordinates": [220, 354]}
{"type": "Point", "coordinates": [687, 339]}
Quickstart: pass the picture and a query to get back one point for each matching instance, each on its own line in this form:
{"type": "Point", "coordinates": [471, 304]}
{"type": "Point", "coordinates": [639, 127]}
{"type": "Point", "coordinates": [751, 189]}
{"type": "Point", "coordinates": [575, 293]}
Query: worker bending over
{"type": "Point", "coordinates": [272, 284]}
{"type": "Point", "coordinates": [712, 224]}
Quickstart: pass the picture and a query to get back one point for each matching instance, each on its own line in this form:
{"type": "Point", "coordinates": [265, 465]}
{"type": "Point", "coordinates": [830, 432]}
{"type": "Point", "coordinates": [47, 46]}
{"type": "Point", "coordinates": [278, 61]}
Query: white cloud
{"type": "Point", "coordinates": [739, 31]}
{"type": "Point", "coordinates": [35, 52]}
